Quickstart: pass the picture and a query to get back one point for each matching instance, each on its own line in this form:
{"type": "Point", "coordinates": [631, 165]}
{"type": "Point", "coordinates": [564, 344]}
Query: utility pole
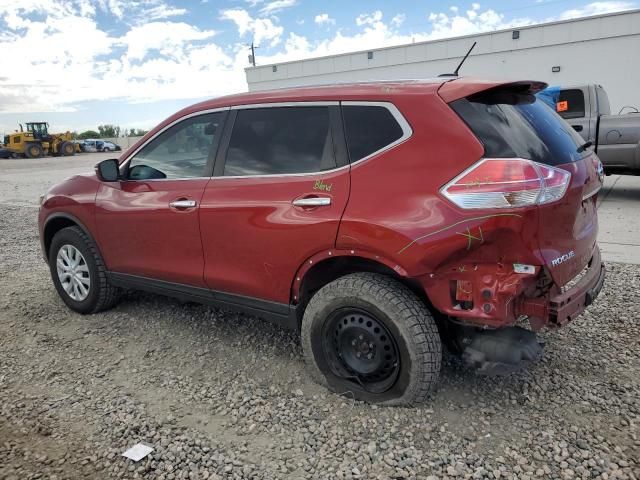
{"type": "Point", "coordinates": [252, 57]}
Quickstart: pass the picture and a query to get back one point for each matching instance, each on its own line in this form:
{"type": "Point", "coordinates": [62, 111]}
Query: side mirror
{"type": "Point", "coordinates": [108, 170]}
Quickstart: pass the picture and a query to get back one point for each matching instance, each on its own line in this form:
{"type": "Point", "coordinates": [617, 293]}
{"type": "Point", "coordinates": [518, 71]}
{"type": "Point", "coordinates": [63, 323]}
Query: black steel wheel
{"type": "Point", "coordinates": [368, 336]}
{"type": "Point", "coordinates": [359, 347]}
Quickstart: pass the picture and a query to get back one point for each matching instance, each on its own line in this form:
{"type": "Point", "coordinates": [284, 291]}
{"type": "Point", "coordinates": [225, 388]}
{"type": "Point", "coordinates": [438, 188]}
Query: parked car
{"type": "Point", "coordinates": [381, 220]}
{"type": "Point", "coordinates": [88, 145]}
{"type": "Point", "coordinates": [96, 145]}
{"type": "Point", "coordinates": [81, 144]}
{"type": "Point", "coordinates": [615, 138]}
{"type": "Point", "coordinates": [105, 146]}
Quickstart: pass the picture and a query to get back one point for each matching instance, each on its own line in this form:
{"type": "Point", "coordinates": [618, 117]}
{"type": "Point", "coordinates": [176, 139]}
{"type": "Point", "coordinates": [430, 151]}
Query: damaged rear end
{"type": "Point", "coordinates": [544, 263]}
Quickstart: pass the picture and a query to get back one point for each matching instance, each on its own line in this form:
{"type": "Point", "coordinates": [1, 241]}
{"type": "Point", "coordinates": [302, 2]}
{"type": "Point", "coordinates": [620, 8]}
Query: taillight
{"type": "Point", "coordinates": [507, 183]}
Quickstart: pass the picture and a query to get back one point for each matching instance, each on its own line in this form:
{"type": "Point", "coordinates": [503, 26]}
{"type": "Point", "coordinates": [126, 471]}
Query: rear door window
{"type": "Point", "coordinates": [280, 140]}
{"type": "Point", "coordinates": [369, 129]}
{"type": "Point", "coordinates": [511, 125]}
{"type": "Point", "coordinates": [571, 104]}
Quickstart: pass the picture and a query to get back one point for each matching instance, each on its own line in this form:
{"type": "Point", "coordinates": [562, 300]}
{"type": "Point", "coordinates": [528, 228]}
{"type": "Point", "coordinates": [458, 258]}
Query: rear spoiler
{"type": "Point", "coordinates": [464, 87]}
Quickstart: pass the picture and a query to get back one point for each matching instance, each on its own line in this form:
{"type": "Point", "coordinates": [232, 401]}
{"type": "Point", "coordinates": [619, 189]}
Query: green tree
{"type": "Point", "coordinates": [109, 131]}
{"type": "Point", "coordinates": [136, 132]}
{"type": "Point", "coordinates": [88, 134]}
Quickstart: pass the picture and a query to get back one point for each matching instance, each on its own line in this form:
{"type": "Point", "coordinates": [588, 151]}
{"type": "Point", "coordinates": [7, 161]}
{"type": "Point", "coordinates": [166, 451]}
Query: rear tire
{"type": "Point", "coordinates": [368, 336]}
{"type": "Point", "coordinates": [33, 150]}
{"type": "Point", "coordinates": [95, 293]}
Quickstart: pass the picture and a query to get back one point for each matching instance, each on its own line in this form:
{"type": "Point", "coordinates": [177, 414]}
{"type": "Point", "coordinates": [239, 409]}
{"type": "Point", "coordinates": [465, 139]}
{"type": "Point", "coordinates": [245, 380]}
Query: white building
{"type": "Point", "coordinates": [603, 49]}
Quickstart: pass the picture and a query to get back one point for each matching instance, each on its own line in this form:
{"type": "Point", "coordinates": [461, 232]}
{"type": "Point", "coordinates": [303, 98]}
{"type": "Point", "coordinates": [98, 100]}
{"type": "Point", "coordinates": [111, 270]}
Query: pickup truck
{"type": "Point", "coordinates": [616, 138]}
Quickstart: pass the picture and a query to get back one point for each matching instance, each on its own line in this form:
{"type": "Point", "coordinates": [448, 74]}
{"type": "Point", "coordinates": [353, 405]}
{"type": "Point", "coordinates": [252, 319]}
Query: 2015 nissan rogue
{"type": "Point", "coordinates": [382, 220]}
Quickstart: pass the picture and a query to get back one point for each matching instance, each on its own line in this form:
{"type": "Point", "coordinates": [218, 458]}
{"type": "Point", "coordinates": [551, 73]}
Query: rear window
{"type": "Point", "coordinates": [511, 125]}
{"type": "Point", "coordinates": [571, 103]}
{"type": "Point", "coordinates": [369, 128]}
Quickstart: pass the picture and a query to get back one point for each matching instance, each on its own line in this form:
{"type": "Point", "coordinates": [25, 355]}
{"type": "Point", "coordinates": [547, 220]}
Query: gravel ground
{"type": "Point", "coordinates": [221, 395]}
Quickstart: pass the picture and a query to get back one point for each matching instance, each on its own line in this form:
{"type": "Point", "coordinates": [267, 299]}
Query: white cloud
{"type": "Point", "coordinates": [60, 56]}
{"type": "Point", "coordinates": [168, 38]}
{"type": "Point", "coordinates": [398, 19]}
{"type": "Point", "coordinates": [324, 19]}
{"type": "Point", "coordinates": [597, 8]}
{"type": "Point", "coordinates": [277, 5]}
{"type": "Point", "coordinates": [261, 29]}
{"type": "Point", "coordinates": [375, 33]}
{"type": "Point", "coordinates": [369, 18]}
{"type": "Point", "coordinates": [114, 7]}
{"type": "Point", "coordinates": [160, 60]}
{"type": "Point", "coordinates": [163, 11]}
{"type": "Point", "coordinates": [139, 11]}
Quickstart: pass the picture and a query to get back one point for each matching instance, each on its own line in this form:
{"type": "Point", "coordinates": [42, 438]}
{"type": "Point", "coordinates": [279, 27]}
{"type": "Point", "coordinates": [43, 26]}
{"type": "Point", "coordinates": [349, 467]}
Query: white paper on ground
{"type": "Point", "coordinates": [137, 452]}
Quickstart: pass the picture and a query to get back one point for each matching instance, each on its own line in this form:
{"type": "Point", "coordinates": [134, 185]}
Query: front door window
{"type": "Point", "coordinates": [182, 151]}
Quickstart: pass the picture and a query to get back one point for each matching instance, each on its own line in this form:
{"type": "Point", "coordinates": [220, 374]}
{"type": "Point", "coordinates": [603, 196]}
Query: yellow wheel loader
{"type": "Point", "coordinates": [36, 141]}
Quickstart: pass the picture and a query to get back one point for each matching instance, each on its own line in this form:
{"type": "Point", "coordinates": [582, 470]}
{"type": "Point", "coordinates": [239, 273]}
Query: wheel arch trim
{"type": "Point", "coordinates": [67, 216]}
{"type": "Point", "coordinates": [326, 255]}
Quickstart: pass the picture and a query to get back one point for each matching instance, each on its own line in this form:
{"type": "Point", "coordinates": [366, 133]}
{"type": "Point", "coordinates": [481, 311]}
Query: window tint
{"type": "Point", "coordinates": [179, 152]}
{"type": "Point", "coordinates": [369, 129]}
{"type": "Point", "coordinates": [520, 126]}
{"type": "Point", "coordinates": [570, 104]}
{"type": "Point", "coordinates": [280, 140]}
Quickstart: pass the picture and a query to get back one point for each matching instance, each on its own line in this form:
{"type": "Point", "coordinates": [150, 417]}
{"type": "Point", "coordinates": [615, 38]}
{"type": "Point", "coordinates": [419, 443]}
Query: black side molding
{"type": "Point", "coordinates": [279, 313]}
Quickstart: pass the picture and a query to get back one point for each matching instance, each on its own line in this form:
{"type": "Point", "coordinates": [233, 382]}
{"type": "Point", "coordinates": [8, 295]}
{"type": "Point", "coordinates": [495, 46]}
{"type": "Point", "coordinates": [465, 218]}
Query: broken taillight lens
{"type": "Point", "coordinates": [507, 183]}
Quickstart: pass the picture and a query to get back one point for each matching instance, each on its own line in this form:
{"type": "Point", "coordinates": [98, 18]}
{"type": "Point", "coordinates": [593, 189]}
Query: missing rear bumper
{"type": "Point", "coordinates": [560, 307]}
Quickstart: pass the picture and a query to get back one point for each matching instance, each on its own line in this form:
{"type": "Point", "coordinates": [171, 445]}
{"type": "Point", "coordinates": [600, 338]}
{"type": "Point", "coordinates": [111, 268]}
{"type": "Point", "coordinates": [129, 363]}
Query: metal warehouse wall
{"type": "Point", "coordinates": [603, 49]}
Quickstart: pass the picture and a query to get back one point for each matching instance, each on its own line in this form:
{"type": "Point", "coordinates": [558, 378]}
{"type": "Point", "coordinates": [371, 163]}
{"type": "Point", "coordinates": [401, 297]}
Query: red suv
{"type": "Point", "coordinates": [381, 220]}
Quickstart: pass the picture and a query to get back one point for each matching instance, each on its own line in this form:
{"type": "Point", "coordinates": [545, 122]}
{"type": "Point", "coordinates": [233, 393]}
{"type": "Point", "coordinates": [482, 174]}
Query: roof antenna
{"type": "Point", "coordinates": [455, 73]}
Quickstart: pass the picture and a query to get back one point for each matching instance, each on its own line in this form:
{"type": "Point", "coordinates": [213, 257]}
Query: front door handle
{"type": "Point", "coordinates": [312, 202]}
{"type": "Point", "coordinates": [183, 204]}
{"type": "Point", "coordinates": [577, 128]}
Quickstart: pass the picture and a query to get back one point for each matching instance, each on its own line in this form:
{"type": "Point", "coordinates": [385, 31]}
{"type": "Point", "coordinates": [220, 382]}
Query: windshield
{"type": "Point", "coordinates": [519, 126]}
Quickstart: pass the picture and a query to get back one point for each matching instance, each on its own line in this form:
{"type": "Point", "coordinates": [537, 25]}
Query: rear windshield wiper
{"type": "Point", "coordinates": [584, 146]}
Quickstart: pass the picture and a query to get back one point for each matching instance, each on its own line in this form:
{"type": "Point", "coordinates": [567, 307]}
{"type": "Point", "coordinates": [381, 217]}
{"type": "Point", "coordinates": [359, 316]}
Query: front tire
{"type": "Point", "coordinates": [78, 272]}
{"type": "Point", "coordinates": [67, 149]}
{"type": "Point", "coordinates": [369, 336]}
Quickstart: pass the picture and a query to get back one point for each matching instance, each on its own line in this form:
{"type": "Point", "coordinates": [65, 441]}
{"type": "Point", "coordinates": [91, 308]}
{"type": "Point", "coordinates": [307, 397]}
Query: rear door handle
{"type": "Point", "coordinates": [312, 202]}
{"type": "Point", "coordinates": [183, 204]}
